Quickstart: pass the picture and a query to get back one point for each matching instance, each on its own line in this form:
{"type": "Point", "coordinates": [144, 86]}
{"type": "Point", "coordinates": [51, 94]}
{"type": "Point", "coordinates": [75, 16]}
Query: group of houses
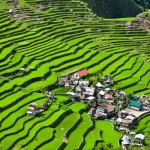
{"type": "Point", "coordinates": [84, 91]}
{"type": "Point", "coordinates": [50, 96]}
{"type": "Point", "coordinates": [104, 101]}
{"type": "Point", "coordinates": [132, 139]}
{"type": "Point", "coordinates": [125, 119]}
{"type": "Point", "coordinates": [34, 110]}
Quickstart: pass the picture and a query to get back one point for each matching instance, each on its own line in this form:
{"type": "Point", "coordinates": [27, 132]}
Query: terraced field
{"type": "Point", "coordinates": [143, 126]}
{"type": "Point", "coordinates": [64, 36]}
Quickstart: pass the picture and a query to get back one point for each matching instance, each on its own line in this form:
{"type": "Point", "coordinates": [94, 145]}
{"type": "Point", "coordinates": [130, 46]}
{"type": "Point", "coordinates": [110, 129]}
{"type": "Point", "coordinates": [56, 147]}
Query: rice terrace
{"type": "Point", "coordinates": [72, 80]}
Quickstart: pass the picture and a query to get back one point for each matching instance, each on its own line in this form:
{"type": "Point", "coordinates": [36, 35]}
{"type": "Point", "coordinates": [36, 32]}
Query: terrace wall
{"type": "Point", "coordinates": [139, 118]}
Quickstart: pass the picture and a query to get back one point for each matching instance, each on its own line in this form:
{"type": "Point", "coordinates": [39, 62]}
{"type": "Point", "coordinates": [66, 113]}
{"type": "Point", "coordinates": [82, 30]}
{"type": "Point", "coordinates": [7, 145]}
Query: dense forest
{"type": "Point", "coordinates": [145, 4]}
{"type": "Point", "coordinates": [118, 8]}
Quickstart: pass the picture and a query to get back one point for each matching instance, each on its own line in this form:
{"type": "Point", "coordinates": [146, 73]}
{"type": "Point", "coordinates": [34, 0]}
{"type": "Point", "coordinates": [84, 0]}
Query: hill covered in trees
{"type": "Point", "coordinates": [41, 41]}
{"type": "Point", "coordinates": [118, 8]}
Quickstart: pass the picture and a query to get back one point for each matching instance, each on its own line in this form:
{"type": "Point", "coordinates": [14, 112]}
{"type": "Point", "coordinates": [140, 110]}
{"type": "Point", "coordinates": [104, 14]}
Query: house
{"type": "Point", "coordinates": [67, 84]}
{"type": "Point", "coordinates": [73, 96]}
{"type": "Point", "coordinates": [139, 139]}
{"type": "Point", "coordinates": [107, 90]}
{"type": "Point", "coordinates": [108, 81]}
{"type": "Point", "coordinates": [92, 112]}
{"type": "Point", "coordinates": [22, 70]}
{"type": "Point", "coordinates": [75, 82]}
{"type": "Point", "coordinates": [122, 96]}
{"type": "Point", "coordinates": [32, 104]}
{"type": "Point", "coordinates": [80, 73]}
{"type": "Point", "coordinates": [30, 110]}
{"type": "Point", "coordinates": [90, 99]}
{"type": "Point", "coordinates": [84, 83]}
{"type": "Point", "coordinates": [119, 120]}
{"type": "Point", "coordinates": [99, 85]}
{"type": "Point", "coordinates": [42, 106]}
{"type": "Point", "coordinates": [124, 113]}
{"type": "Point", "coordinates": [94, 103]}
{"type": "Point", "coordinates": [135, 105]}
{"type": "Point", "coordinates": [90, 89]}
{"type": "Point", "coordinates": [100, 95]}
{"type": "Point", "coordinates": [85, 95]}
{"type": "Point", "coordinates": [61, 82]}
{"type": "Point", "coordinates": [50, 96]}
{"type": "Point", "coordinates": [34, 110]}
{"type": "Point", "coordinates": [78, 89]}
{"type": "Point", "coordinates": [109, 97]}
{"type": "Point", "coordinates": [125, 141]}
{"type": "Point", "coordinates": [143, 98]}
{"type": "Point", "coordinates": [126, 123]}
{"type": "Point", "coordinates": [97, 115]}
{"type": "Point", "coordinates": [106, 109]}
{"type": "Point", "coordinates": [70, 93]}
{"type": "Point", "coordinates": [147, 103]}
{"type": "Point", "coordinates": [130, 117]}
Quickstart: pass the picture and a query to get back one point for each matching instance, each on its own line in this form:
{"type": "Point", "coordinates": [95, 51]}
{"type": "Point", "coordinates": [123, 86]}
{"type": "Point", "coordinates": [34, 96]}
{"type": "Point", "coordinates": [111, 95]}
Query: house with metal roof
{"type": "Point", "coordinates": [139, 139]}
{"type": "Point", "coordinates": [108, 110]}
{"type": "Point", "coordinates": [80, 73]}
{"type": "Point", "coordinates": [135, 105]}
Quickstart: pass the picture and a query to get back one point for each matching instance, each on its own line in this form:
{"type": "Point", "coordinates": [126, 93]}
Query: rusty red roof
{"type": "Point", "coordinates": [108, 107]}
{"type": "Point", "coordinates": [126, 121]}
{"type": "Point", "coordinates": [82, 72]}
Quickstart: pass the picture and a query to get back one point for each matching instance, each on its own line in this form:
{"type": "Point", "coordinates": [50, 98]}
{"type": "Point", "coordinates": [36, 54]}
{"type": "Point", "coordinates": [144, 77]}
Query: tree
{"type": "Point", "coordinates": [139, 148]}
{"type": "Point", "coordinates": [130, 95]}
{"type": "Point", "coordinates": [109, 146]}
{"type": "Point", "coordinates": [104, 146]}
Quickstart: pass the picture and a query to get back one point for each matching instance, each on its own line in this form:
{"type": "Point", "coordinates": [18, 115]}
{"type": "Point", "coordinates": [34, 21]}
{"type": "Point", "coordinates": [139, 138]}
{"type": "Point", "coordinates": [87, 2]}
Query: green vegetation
{"type": "Point", "coordinates": [118, 8]}
{"type": "Point", "coordinates": [54, 39]}
{"type": "Point", "coordinates": [115, 9]}
{"type": "Point", "coordinates": [143, 126]}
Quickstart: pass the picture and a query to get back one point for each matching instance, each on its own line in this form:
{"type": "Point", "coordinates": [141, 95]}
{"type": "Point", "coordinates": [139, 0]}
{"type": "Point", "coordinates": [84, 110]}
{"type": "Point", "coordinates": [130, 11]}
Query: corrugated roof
{"type": "Point", "coordinates": [135, 104]}
{"type": "Point", "coordinates": [127, 121]}
{"type": "Point", "coordinates": [108, 107]}
{"type": "Point", "coordinates": [82, 72]}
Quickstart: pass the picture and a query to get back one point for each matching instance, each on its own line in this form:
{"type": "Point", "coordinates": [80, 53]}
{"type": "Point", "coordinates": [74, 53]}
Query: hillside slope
{"type": "Point", "coordinates": [143, 3]}
{"type": "Point", "coordinates": [114, 8]}
{"type": "Point", "coordinates": [39, 41]}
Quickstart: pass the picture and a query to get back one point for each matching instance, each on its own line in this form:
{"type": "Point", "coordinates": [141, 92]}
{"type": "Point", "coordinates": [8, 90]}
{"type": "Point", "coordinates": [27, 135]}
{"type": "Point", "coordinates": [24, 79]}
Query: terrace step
{"type": "Point", "coordinates": [81, 131]}
{"type": "Point", "coordinates": [64, 36]}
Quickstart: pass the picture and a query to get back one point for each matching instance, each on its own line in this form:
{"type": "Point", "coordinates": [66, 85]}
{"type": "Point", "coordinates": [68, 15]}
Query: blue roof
{"type": "Point", "coordinates": [135, 104]}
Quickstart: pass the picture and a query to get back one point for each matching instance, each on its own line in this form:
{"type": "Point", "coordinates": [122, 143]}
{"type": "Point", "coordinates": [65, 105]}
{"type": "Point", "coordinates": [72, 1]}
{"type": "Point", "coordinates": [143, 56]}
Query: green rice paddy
{"type": "Point", "coordinates": [143, 126]}
{"type": "Point", "coordinates": [47, 43]}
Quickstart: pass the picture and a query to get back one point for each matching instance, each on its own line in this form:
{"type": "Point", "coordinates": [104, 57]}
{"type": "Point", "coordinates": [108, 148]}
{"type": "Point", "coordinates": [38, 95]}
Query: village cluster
{"type": "Point", "coordinates": [108, 103]}
{"type": "Point", "coordinates": [35, 110]}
